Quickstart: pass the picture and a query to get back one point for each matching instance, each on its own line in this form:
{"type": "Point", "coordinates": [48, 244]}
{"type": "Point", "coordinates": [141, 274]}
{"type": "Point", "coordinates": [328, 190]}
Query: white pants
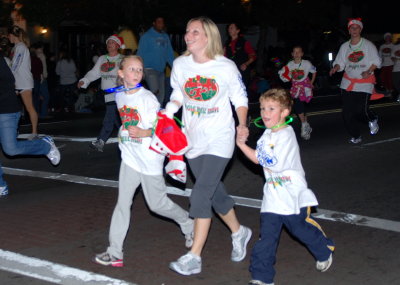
{"type": "Point", "coordinates": [155, 193]}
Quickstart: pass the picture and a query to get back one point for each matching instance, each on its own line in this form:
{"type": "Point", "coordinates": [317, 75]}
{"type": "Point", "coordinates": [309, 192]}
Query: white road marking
{"type": "Point", "coordinates": [52, 272]}
{"type": "Point", "coordinates": [353, 219]}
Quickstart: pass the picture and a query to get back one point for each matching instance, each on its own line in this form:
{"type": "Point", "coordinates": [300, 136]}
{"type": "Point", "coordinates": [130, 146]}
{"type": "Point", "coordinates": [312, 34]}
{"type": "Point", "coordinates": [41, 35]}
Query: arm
{"type": "Point", "coordinates": [92, 74]}
{"type": "Point", "coordinates": [248, 151]}
{"type": "Point", "coordinates": [251, 56]}
{"type": "Point", "coordinates": [136, 132]}
{"type": "Point", "coordinates": [314, 75]}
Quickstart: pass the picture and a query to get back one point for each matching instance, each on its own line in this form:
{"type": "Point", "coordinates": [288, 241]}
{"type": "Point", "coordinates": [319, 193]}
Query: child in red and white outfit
{"type": "Point", "coordinates": [140, 165]}
{"type": "Point", "coordinates": [297, 71]}
{"type": "Point", "coordinates": [358, 58]}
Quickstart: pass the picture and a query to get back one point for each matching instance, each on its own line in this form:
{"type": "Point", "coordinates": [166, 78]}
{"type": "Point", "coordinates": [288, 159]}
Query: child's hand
{"type": "Point", "coordinates": [242, 135]}
{"type": "Point", "coordinates": [135, 132]}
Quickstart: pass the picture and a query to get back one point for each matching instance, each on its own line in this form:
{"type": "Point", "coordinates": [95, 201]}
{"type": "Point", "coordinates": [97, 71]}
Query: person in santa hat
{"type": "Point", "coordinates": [106, 68]}
{"type": "Point", "coordinates": [358, 58]}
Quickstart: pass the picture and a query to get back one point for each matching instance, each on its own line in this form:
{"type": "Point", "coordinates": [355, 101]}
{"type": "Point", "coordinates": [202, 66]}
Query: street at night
{"type": "Point", "coordinates": [60, 215]}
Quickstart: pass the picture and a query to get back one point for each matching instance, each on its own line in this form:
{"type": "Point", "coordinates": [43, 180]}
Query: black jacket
{"type": "Point", "coordinates": [9, 102]}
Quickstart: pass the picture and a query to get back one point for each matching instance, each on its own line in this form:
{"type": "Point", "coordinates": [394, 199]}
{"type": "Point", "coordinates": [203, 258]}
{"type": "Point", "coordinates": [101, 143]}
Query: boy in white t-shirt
{"type": "Point", "coordinates": [287, 199]}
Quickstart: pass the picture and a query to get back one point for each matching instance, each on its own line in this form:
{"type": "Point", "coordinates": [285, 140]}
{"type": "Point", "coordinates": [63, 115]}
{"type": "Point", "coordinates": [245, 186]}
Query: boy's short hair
{"type": "Point", "coordinates": [280, 95]}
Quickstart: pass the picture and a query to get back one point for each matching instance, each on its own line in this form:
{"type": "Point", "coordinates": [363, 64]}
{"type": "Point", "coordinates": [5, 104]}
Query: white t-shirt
{"type": "Point", "coordinates": [138, 109]}
{"type": "Point", "coordinates": [299, 71]}
{"type": "Point", "coordinates": [396, 55]}
{"type": "Point", "coordinates": [385, 52]}
{"type": "Point", "coordinates": [206, 91]}
{"type": "Point", "coordinates": [105, 68]}
{"type": "Point", "coordinates": [21, 67]}
{"type": "Point", "coordinates": [285, 190]}
{"type": "Point", "coordinates": [66, 69]}
{"type": "Point", "coordinates": [354, 60]}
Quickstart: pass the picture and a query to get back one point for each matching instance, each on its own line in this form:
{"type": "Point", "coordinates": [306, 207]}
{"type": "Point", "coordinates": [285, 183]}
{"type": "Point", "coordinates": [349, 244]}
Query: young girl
{"type": "Point", "coordinates": [297, 71]}
{"type": "Point", "coordinates": [138, 111]}
{"type": "Point", "coordinates": [21, 69]}
{"type": "Point", "coordinates": [287, 199]}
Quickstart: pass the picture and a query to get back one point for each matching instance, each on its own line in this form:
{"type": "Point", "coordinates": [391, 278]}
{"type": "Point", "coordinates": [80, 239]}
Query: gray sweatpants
{"type": "Point", "coordinates": [155, 193]}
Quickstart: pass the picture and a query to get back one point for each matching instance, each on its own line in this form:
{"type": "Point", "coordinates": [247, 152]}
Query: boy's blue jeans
{"type": "Point", "coordinates": [11, 146]}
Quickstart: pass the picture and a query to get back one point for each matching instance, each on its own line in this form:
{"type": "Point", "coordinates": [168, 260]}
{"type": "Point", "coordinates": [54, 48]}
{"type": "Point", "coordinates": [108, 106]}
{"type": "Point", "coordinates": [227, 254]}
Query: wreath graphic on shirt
{"type": "Point", "coordinates": [129, 116]}
{"type": "Point", "coordinates": [356, 56]}
{"type": "Point", "coordinates": [297, 74]}
{"type": "Point", "coordinates": [107, 66]}
{"type": "Point", "coordinates": [397, 53]}
{"type": "Point", "coordinates": [387, 50]}
{"type": "Point", "coordinates": [201, 88]}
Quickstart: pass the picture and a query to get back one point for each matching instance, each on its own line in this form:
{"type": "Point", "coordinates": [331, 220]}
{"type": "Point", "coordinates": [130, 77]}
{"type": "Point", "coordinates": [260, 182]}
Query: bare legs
{"type": "Point", "coordinates": [202, 227]}
{"type": "Point", "coordinates": [26, 96]}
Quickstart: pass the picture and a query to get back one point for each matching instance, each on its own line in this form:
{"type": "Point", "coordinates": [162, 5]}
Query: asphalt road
{"type": "Point", "coordinates": [61, 215]}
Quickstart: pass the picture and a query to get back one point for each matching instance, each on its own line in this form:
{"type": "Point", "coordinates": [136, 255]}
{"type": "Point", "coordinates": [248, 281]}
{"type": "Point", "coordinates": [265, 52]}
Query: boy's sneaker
{"type": "Point", "coordinates": [54, 154]}
{"type": "Point", "coordinates": [97, 145]}
{"type": "Point", "coordinates": [106, 259]}
{"type": "Point", "coordinates": [3, 191]}
{"type": "Point", "coordinates": [355, 140]}
{"type": "Point", "coordinates": [187, 264]}
{"type": "Point", "coordinates": [373, 127]}
{"type": "Point", "coordinates": [240, 239]}
{"type": "Point", "coordinates": [306, 131]}
{"type": "Point", "coordinates": [258, 282]}
{"type": "Point", "coordinates": [189, 239]}
{"type": "Point", "coordinates": [324, 265]}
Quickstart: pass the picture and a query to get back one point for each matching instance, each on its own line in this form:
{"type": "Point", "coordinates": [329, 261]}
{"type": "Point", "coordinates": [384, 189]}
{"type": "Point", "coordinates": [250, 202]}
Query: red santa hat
{"type": "Point", "coordinates": [355, 21]}
{"type": "Point", "coordinates": [169, 140]}
{"type": "Point", "coordinates": [119, 40]}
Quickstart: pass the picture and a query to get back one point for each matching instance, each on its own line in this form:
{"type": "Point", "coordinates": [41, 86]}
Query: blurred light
{"type": "Point", "coordinates": [330, 56]}
{"type": "Point", "coordinates": [327, 32]}
{"type": "Point", "coordinates": [43, 31]}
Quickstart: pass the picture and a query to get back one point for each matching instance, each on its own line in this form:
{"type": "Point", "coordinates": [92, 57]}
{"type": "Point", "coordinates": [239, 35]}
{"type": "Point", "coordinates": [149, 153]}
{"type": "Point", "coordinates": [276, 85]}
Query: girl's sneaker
{"type": "Point", "coordinates": [3, 191]}
{"type": "Point", "coordinates": [107, 259]}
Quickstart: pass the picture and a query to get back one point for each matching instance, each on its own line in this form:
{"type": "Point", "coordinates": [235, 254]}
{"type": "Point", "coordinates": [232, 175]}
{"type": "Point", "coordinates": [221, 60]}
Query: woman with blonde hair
{"type": "Point", "coordinates": [205, 83]}
{"type": "Point", "coordinates": [21, 69]}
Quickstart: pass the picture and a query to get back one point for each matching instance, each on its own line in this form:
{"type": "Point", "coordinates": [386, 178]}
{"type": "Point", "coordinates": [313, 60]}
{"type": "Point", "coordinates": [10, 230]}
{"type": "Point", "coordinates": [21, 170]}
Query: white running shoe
{"type": "Point", "coordinates": [306, 131]}
{"type": "Point", "coordinates": [187, 264]}
{"type": "Point", "coordinates": [240, 239]}
{"type": "Point", "coordinates": [54, 154]}
{"type": "Point", "coordinates": [324, 265]}
{"type": "Point", "coordinates": [373, 127]}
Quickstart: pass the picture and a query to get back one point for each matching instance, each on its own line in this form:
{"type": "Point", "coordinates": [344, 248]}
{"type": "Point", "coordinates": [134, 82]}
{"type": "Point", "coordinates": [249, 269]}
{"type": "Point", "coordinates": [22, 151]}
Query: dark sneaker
{"type": "Point", "coordinates": [3, 191]}
{"type": "Point", "coordinates": [107, 259]}
{"type": "Point", "coordinates": [97, 145]}
{"type": "Point", "coordinates": [240, 239]}
{"type": "Point", "coordinates": [54, 154]}
{"type": "Point", "coordinates": [187, 264]}
{"type": "Point", "coordinates": [324, 265]}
